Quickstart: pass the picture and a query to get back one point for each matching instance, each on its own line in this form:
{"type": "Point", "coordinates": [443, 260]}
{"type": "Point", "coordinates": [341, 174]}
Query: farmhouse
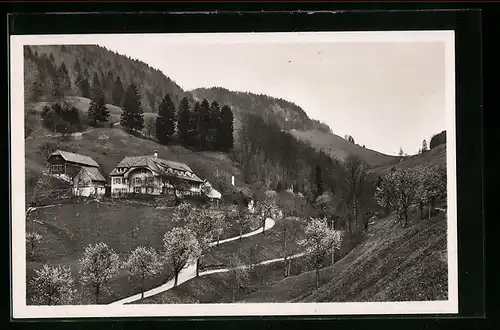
{"type": "Point", "coordinates": [81, 171]}
{"type": "Point", "coordinates": [154, 176]}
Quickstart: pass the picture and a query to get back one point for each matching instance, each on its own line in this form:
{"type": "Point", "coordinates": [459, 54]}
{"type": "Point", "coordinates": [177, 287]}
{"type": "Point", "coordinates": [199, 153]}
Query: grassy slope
{"type": "Point", "coordinates": [341, 148]}
{"type": "Point", "coordinates": [393, 264]}
{"type": "Point", "coordinates": [68, 229]}
{"type": "Point", "coordinates": [436, 156]}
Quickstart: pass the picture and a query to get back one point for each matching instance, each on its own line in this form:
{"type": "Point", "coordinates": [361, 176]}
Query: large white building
{"type": "Point", "coordinates": [154, 176]}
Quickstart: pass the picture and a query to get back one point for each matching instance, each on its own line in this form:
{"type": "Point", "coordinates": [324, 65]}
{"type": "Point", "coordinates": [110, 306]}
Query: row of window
{"type": "Point", "coordinates": [137, 190]}
{"type": "Point", "coordinates": [57, 168]}
{"type": "Point", "coordinates": [134, 181]}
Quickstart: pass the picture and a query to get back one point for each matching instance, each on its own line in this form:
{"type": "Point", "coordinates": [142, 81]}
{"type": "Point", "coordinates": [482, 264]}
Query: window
{"type": "Point", "coordinates": [137, 190]}
{"type": "Point", "coordinates": [124, 190]}
{"type": "Point", "coordinates": [137, 180]}
{"type": "Point", "coordinates": [57, 168]}
{"type": "Point", "coordinates": [150, 190]}
{"type": "Point", "coordinates": [117, 180]}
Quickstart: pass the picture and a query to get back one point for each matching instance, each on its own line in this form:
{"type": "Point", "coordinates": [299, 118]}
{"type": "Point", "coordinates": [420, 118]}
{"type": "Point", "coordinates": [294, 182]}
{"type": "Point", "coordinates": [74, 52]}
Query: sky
{"type": "Point", "coordinates": [385, 94]}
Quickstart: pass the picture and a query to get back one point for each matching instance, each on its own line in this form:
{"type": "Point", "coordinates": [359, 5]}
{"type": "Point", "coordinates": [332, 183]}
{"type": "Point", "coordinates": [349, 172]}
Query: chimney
{"type": "Point", "coordinates": [156, 153]}
{"type": "Point", "coordinates": [232, 180]}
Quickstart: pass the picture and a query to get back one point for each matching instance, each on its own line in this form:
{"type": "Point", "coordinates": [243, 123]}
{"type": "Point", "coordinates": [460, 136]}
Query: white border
{"type": "Point", "coordinates": [21, 310]}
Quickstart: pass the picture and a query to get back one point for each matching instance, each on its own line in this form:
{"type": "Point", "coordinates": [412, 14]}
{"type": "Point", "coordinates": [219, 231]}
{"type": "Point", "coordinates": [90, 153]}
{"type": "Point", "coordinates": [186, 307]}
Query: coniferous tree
{"type": "Point", "coordinates": [215, 122]}
{"type": "Point", "coordinates": [132, 117]}
{"type": "Point", "coordinates": [183, 115]}
{"type": "Point", "coordinates": [77, 66]}
{"type": "Point", "coordinates": [64, 76]}
{"type": "Point", "coordinates": [204, 125]}
{"type": "Point", "coordinates": [83, 85]}
{"type": "Point", "coordinates": [165, 121]}
{"type": "Point", "coordinates": [118, 92]}
{"type": "Point", "coordinates": [319, 181]}
{"type": "Point", "coordinates": [98, 112]}
{"type": "Point", "coordinates": [424, 146]}
{"type": "Point", "coordinates": [225, 136]}
{"type": "Point", "coordinates": [194, 126]}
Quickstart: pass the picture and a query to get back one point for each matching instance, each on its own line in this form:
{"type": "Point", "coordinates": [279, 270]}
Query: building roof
{"type": "Point", "coordinates": [94, 174]}
{"type": "Point", "coordinates": [75, 158]}
{"type": "Point", "coordinates": [156, 164]}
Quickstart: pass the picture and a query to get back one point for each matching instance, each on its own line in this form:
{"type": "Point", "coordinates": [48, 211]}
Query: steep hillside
{"type": "Point", "coordinates": [285, 114]}
{"type": "Point", "coordinates": [393, 264]}
{"type": "Point", "coordinates": [90, 59]}
{"type": "Point", "coordinates": [436, 156]}
{"type": "Point", "coordinates": [340, 148]}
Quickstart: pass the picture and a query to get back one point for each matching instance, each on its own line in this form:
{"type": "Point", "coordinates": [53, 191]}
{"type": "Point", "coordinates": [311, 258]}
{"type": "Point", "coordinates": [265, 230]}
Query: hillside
{"type": "Point", "coordinates": [91, 59]}
{"type": "Point", "coordinates": [285, 114]}
{"type": "Point", "coordinates": [435, 156]}
{"type": "Point", "coordinates": [108, 146]}
{"type": "Point", "coordinates": [393, 264]}
{"type": "Point", "coordinates": [340, 148]}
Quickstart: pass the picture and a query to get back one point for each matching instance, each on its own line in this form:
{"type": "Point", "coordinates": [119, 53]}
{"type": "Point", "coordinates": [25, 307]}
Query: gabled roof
{"type": "Point", "coordinates": [94, 173]}
{"type": "Point", "coordinates": [156, 164]}
{"type": "Point", "coordinates": [75, 158]}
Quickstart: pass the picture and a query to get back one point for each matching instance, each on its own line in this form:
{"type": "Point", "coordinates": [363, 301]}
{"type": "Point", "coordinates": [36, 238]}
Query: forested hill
{"type": "Point", "coordinates": [283, 113]}
{"type": "Point", "coordinates": [83, 64]}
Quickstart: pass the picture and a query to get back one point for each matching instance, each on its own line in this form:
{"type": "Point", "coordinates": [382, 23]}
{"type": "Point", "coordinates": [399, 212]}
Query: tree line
{"type": "Point", "coordinates": [418, 186]}
{"type": "Point", "coordinates": [83, 63]}
{"type": "Point", "coordinates": [202, 126]}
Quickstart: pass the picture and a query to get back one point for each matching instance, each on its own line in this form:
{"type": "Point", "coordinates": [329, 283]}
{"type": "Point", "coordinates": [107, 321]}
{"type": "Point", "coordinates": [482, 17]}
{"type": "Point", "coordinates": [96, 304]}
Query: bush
{"type": "Point", "coordinates": [62, 119]}
{"type": "Point", "coordinates": [438, 139]}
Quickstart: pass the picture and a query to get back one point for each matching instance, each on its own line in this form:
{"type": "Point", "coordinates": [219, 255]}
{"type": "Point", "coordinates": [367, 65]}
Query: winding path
{"type": "Point", "coordinates": [189, 272]}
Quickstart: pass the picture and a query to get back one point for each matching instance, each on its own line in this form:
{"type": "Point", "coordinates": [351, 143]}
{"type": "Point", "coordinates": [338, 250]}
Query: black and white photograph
{"type": "Point", "coordinates": [233, 174]}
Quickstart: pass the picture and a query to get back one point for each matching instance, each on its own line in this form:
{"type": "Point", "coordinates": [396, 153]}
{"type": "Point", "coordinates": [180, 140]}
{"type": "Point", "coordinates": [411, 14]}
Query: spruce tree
{"type": "Point", "coordinates": [76, 66]}
{"type": "Point", "coordinates": [132, 117]}
{"type": "Point", "coordinates": [98, 112]}
{"type": "Point", "coordinates": [83, 85]}
{"type": "Point", "coordinates": [183, 115]}
{"type": "Point", "coordinates": [118, 92]}
{"type": "Point", "coordinates": [225, 136]}
{"type": "Point", "coordinates": [319, 181]}
{"type": "Point", "coordinates": [193, 130]}
{"type": "Point", "coordinates": [204, 125]}
{"type": "Point", "coordinates": [215, 122]}
{"type": "Point", "coordinates": [165, 121]}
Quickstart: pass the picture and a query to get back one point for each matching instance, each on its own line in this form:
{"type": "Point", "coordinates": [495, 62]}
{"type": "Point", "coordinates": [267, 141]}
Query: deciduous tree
{"type": "Point", "coordinates": [179, 247]}
{"type": "Point", "coordinates": [32, 240]}
{"type": "Point", "coordinates": [98, 266]}
{"type": "Point", "coordinates": [398, 190]}
{"type": "Point", "coordinates": [145, 263]}
{"type": "Point", "coordinates": [318, 242]}
{"type": "Point", "coordinates": [53, 285]}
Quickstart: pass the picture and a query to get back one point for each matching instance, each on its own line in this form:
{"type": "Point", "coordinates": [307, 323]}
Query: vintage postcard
{"type": "Point", "coordinates": [238, 174]}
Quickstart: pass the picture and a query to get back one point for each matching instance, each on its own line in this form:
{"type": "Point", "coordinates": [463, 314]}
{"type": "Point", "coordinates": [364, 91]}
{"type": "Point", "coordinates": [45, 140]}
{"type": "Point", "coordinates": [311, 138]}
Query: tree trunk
{"type": "Point", "coordinates": [218, 240]}
{"type": "Point", "coordinates": [405, 214]}
{"type": "Point", "coordinates": [421, 206]}
{"type": "Point", "coordinates": [197, 267]}
{"type": "Point", "coordinates": [317, 277]}
{"type": "Point", "coordinates": [234, 292]}
{"type": "Point", "coordinates": [289, 266]}
{"type": "Point", "coordinates": [97, 289]}
{"type": "Point", "coordinates": [142, 288]}
{"type": "Point", "coordinates": [286, 266]}
{"type": "Point", "coordinates": [176, 277]}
